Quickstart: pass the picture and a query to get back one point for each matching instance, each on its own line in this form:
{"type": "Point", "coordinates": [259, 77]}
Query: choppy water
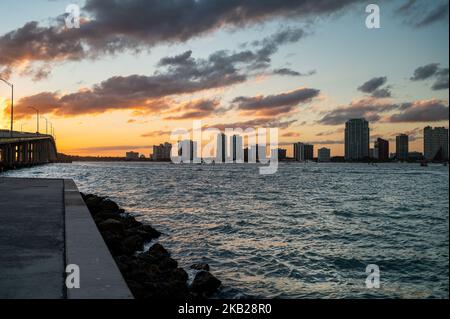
{"type": "Point", "coordinates": [308, 231]}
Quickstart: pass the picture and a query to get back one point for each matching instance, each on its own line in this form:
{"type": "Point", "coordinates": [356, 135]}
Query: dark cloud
{"type": "Point", "coordinates": [423, 13]}
{"type": "Point", "coordinates": [423, 111]}
{"type": "Point", "coordinates": [275, 104]}
{"type": "Point", "coordinates": [439, 13]}
{"type": "Point", "coordinates": [369, 108]}
{"type": "Point", "coordinates": [181, 74]}
{"type": "Point", "coordinates": [289, 72]}
{"type": "Point", "coordinates": [441, 82]}
{"type": "Point", "coordinates": [373, 110]}
{"type": "Point", "coordinates": [373, 84]}
{"type": "Point", "coordinates": [181, 59]}
{"type": "Point", "coordinates": [196, 110]}
{"type": "Point", "coordinates": [425, 72]}
{"type": "Point", "coordinates": [432, 71]}
{"type": "Point", "coordinates": [382, 93]}
{"type": "Point", "coordinates": [110, 27]}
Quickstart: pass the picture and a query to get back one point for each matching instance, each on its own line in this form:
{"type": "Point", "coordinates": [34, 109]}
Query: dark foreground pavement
{"type": "Point", "coordinates": [44, 226]}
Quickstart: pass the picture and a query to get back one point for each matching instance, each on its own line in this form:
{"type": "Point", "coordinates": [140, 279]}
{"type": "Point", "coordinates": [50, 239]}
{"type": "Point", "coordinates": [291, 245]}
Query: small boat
{"type": "Point", "coordinates": [423, 164]}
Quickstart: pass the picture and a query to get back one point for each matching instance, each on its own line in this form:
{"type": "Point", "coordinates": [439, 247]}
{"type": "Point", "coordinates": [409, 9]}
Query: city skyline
{"type": "Point", "coordinates": [283, 71]}
{"type": "Point", "coordinates": [227, 147]}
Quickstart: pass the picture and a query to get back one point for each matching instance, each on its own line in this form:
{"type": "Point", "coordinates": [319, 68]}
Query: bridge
{"type": "Point", "coordinates": [25, 149]}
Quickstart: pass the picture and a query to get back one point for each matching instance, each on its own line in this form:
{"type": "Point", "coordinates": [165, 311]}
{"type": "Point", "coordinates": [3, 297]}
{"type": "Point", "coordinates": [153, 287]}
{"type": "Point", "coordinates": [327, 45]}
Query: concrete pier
{"type": "Point", "coordinates": [45, 226]}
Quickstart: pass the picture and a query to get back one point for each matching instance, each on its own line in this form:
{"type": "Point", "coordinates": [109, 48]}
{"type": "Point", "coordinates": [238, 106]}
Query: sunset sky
{"type": "Point", "coordinates": [137, 69]}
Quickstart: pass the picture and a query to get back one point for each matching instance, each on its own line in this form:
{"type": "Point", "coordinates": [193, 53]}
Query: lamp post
{"type": "Point", "coordinates": [12, 104]}
{"type": "Point", "coordinates": [37, 118]}
{"type": "Point", "coordinates": [46, 125]}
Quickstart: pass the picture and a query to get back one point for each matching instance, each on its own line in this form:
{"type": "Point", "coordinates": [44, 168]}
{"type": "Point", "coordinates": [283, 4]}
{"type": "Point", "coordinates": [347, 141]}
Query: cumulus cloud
{"type": "Point", "coordinates": [422, 111]}
{"type": "Point", "coordinates": [110, 27]}
{"type": "Point", "coordinates": [423, 13]}
{"type": "Point", "coordinates": [196, 110]}
{"type": "Point", "coordinates": [372, 84]}
{"type": "Point", "coordinates": [382, 93]}
{"type": "Point", "coordinates": [275, 104]}
{"type": "Point", "coordinates": [432, 71]}
{"type": "Point", "coordinates": [425, 72]}
{"type": "Point", "coordinates": [441, 82]}
{"type": "Point", "coordinates": [374, 110]}
{"type": "Point", "coordinates": [290, 72]}
{"type": "Point", "coordinates": [374, 87]}
{"type": "Point", "coordinates": [179, 74]}
{"type": "Point", "coordinates": [368, 108]}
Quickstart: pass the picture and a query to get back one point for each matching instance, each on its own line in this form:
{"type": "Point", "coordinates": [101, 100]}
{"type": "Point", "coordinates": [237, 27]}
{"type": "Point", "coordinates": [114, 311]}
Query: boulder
{"type": "Point", "coordinates": [158, 249]}
{"type": "Point", "coordinates": [133, 243]}
{"type": "Point", "coordinates": [93, 203]}
{"type": "Point", "coordinates": [109, 205]}
{"type": "Point", "coordinates": [205, 283]}
{"type": "Point", "coordinates": [147, 232]}
{"type": "Point", "coordinates": [111, 225]}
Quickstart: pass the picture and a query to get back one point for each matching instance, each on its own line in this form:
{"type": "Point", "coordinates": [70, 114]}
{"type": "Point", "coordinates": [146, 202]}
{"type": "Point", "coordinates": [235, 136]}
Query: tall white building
{"type": "Point", "coordinates": [356, 139]}
{"type": "Point", "coordinates": [323, 154]}
{"type": "Point", "coordinates": [237, 148]}
{"type": "Point", "coordinates": [435, 143]}
{"type": "Point", "coordinates": [187, 151]}
{"type": "Point", "coordinates": [221, 149]}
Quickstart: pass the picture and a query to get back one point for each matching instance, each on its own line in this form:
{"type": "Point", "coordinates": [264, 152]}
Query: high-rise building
{"type": "Point", "coordinates": [308, 150]}
{"type": "Point", "coordinates": [162, 152]}
{"type": "Point", "coordinates": [382, 147]}
{"type": "Point", "coordinates": [187, 150]}
{"type": "Point", "coordinates": [435, 143]}
{"type": "Point", "coordinates": [237, 147]}
{"type": "Point", "coordinates": [255, 153]}
{"type": "Point", "coordinates": [221, 150]}
{"type": "Point", "coordinates": [323, 154]}
{"type": "Point", "coordinates": [299, 152]}
{"type": "Point", "coordinates": [279, 153]}
{"type": "Point", "coordinates": [402, 147]}
{"type": "Point", "coordinates": [356, 139]}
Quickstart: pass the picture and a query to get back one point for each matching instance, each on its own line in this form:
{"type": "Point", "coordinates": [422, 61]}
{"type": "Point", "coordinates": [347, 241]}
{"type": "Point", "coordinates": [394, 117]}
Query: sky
{"type": "Point", "coordinates": [136, 70]}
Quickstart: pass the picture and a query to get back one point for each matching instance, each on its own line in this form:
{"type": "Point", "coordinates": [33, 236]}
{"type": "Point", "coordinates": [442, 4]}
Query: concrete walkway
{"type": "Point", "coordinates": [44, 226]}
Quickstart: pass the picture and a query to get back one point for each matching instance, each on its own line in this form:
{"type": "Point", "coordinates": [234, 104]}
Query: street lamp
{"type": "Point", "coordinates": [37, 118]}
{"type": "Point", "coordinates": [46, 125]}
{"type": "Point", "coordinates": [12, 104]}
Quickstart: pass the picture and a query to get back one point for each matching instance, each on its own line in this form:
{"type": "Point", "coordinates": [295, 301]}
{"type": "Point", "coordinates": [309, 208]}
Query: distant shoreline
{"type": "Point", "coordinates": [63, 158]}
